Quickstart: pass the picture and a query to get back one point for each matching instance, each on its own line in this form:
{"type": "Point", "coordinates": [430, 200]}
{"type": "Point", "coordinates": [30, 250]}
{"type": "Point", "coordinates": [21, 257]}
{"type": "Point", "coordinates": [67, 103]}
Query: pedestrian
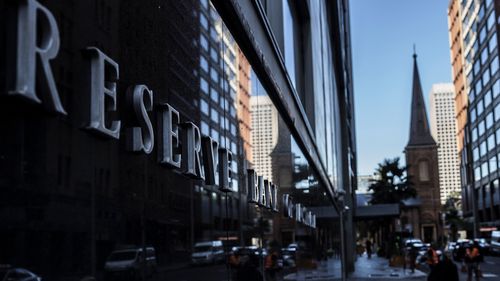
{"type": "Point", "coordinates": [248, 269]}
{"type": "Point", "coordinates": [472, 259]}
{"type": "Point", "coordinates": [444, 270]}
{"type": "Point", "coordinates": [413, 252]}
{"type": "Point", "coordinates": [432, 258]}
{"type": "Point", "coordinates": [234, 263]}
{"type": "Point", "coordinates": [368, 245]}
{"type": "Point", "coordinates": [271, 266]}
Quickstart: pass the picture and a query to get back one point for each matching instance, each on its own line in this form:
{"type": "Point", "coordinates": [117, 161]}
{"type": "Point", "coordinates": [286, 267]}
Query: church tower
{"type": "Point", "coordinates": [422, 161]}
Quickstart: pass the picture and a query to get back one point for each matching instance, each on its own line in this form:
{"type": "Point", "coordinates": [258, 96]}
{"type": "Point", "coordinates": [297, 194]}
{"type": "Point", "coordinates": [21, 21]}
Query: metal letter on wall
{"type": "Point", "coordinates": [37, 42]}
{"type": "Point", "coordinates": [267, 191]}
{"type": "Point", "coordinates": [191, 149]}
{"type": "Point", "coordinates": [168, 138]}
{"type": "Point", "coordinates": [298, 212]}
{"type": "Point", "coordinates": [262, 191]}
{"type": "Point", "coordinates": [104, 72]}
{"type": "Point", "coordinates": [210, 159]}
{"type": "Point", "coordinates": [253, 187]}
{"type": "Point", "coordinates": [225, 159]}
{"type": "Point", "coordinates": [274, 198]}
{"type": "Point", "coordinates": [287, 206]}
{"type": "Point", "coordinates": [141, 100]}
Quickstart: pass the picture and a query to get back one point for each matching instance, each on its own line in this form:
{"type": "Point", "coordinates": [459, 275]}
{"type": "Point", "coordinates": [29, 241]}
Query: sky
{"type": "Point", "coordinates": [383, 33]}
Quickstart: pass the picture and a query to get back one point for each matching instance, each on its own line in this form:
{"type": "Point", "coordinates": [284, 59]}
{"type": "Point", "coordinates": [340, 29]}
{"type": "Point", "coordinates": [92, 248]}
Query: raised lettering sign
{"type": "Point", "coordinates": [104, 73]}
{"type": "Point", "coordinates": [140, 138]}
{"type": "Point", "coordinates": [36, 45]}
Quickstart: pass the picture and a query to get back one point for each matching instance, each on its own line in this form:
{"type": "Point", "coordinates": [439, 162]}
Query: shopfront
{"type": "Point", "coordinates": [138, 141]}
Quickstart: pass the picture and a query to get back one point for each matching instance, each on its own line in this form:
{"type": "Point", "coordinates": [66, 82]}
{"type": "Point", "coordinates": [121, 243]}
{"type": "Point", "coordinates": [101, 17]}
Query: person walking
{"type": "Point", "coordinates": [432, 258]}
{"type": "Point", "coordinates": [472, 259]}
{"type": "Point", "coordinates": [444, 270]}
{"type": "Point", "coordinates": [368, 246]}
{"type": "Point", "coordinates": [271, 266]}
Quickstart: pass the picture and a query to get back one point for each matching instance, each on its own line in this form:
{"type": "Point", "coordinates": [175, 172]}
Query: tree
{"type": "Point", "coordinates": [392, 184]}
{"type": "Point", "coordinates": [453, 217]}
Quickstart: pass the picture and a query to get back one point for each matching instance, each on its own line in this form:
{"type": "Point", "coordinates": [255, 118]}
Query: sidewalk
{"type": "Point", "coordinates": [365, 269]}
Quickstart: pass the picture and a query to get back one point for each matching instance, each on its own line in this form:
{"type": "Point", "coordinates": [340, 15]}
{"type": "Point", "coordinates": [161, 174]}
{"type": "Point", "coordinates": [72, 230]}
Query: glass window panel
{"type": "Point", "coordinates": [491, 20]}
{"type": "Point", "coordinates": [497, 112]}
{"type": "Point", "coordinates": [494, 65]}
{"type": "Point", "coordinates": [491, 142]}
{"type": "Point", "coordinates": [214, 115]}
{"type": "Point", "coordinates": [214, 95]}
{"type": "Point", "coordinates": [487, 99]}
{"type": "Point", "coordinates": [214, 75]}
{"type": "Point", "coordinates": [203, 21]}
{"type": "Point", "coordinates": [484, 55]}
{"type": "Point", "coordinates": [489, 120]}
{"type": "Point", "coordinates": [479, 107]}
{"type": "Point", "coordinates": [482, 34]}
{"type": "Point", "coordinates": [473, 115]}
{"type": "Point", "coordinates": [204, 63]}
{"type": "Point", "coordinates": [214, 55]}
{"type": "Point", "coordinates": [204, 42]}
{"type": "Point", "coordinates": [204, 106]}
{"type": "Point", "coordinates": [486, 76]}
{"type": "Point", "coordinates": [496, 88]}
{"type": "Point", "coordinates": [203, 85]}
{"type": "Point", "coordinates": [482, 149]}
{"type": "Point", "coordinates": [214, 134]}
{"type": "Point", "coordinates": [493, 163]}
{"type": "Point", "coordinates": [475, 154]}
{"type": "Point", "coordinates": [484, 170]}
{"type": "Point", "coordinates": [492, 42]}
{"type": "Point", "coordinates": [205, 129]}
{"type": "Point", "coordinates": [481, 128]}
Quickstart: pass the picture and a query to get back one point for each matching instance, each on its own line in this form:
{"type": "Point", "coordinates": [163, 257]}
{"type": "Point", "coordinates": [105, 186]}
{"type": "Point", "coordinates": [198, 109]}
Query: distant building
{"type": "Point", "coordinates": [364, 182]}
{"type": "Point", "coordinates": [422, 160]}
{"type": "Point", "coordinates": [264, 132]}
{"type": "Point", "coordinates": [443, 127]}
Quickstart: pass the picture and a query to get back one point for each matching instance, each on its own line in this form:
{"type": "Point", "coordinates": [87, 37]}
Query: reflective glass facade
{"type": "Point", "coordinates": [146, 144]}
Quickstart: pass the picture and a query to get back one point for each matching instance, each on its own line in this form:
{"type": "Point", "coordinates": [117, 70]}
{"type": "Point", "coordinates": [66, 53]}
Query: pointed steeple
{"type": "Point", "coordinates": [420, 133]}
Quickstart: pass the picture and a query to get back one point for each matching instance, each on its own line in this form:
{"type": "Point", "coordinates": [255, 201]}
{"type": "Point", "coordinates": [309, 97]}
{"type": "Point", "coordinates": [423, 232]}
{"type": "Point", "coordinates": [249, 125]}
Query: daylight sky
{"type": "Point", "coordinates": [383, 33]}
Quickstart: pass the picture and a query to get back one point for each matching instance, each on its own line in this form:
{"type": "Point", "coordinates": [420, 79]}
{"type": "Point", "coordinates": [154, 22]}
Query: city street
{"type": "Point", "coordinates": [490, 268]}
{"type": "Point", "coordinates": [195, 273]}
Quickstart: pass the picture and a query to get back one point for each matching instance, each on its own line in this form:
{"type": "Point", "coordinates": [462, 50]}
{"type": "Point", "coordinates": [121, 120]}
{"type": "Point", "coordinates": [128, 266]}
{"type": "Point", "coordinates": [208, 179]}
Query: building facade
{"type": "Point", "coordinates": [479, 159]}
{"type": "Point", "coordinates": [422, 161]}
{"type": "Point", "coordinates": [128, 125]}
{"type": "Point", "coordinates": [444, 129]}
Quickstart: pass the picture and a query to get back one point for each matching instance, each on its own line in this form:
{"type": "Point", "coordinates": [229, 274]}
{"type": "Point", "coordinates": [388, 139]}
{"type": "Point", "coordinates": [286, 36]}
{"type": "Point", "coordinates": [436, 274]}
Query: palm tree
{"type": "Point", "coordinates": [392, 185]}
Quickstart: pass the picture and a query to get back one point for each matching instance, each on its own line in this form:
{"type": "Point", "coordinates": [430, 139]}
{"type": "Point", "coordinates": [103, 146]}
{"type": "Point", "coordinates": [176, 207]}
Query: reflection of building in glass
{"type": "Point", "coordinates": [243, 104]}
{"type": "Point", "coordinates": [443, 126]}
{"type": "Point", "coordinates": [364, 182]}
{"type": "Point", "coordinates": [264, 133]}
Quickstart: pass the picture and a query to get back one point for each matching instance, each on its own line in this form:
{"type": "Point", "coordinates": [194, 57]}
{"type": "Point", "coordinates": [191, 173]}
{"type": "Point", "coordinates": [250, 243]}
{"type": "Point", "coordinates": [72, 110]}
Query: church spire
{"type": "Point", "coordinates": [420, 133]}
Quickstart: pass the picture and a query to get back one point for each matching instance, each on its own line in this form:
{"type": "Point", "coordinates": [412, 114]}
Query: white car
{"type": "Point", "coordinates": [128, 263]}
{"type": "Point", "coordinates": [207, 253]}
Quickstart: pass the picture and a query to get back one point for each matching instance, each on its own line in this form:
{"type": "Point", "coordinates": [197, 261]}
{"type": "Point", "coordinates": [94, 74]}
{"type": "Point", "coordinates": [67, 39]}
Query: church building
{"type": "Point", "coordinates": [420, 215]}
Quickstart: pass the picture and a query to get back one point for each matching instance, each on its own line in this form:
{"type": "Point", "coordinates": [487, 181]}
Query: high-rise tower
{"type": "Point", "coordinates": [444, 128]}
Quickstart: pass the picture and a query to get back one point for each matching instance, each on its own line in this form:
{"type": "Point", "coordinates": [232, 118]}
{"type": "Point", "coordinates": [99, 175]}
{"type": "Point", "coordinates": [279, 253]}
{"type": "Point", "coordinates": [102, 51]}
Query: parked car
{"type": "Point", "coordinates": [495, 243]}
{"type": "Point", "coordinates": [127, 264]}
{"type": "Point", "coordinates": [288, 255]}
{"type": "Point", "coordinates": [484, 247]}
{"type": "Point", "coordinates": [209, 252]}
{"type": "Point", "coordinates": [9, 273]}
{"type": "Point", "coordinates": [459, 249]}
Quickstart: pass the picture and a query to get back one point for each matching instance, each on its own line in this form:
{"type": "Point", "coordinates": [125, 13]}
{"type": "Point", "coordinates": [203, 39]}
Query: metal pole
{"type": "Point", "coordinates": [342, 244]}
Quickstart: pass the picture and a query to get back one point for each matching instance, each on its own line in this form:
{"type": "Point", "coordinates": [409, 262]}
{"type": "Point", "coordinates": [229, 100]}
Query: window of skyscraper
{"type": "Point", "coordinates": [289, 40]}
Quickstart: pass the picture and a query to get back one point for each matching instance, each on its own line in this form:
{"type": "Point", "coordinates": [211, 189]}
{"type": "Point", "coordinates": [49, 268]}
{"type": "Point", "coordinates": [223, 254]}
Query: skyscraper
{"type": "Point", "coordinates": [444, 128]}
{"type": "Point", "coordinates": [481, 138]}
{"type": "Point", "coordinates": [265, 132]}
